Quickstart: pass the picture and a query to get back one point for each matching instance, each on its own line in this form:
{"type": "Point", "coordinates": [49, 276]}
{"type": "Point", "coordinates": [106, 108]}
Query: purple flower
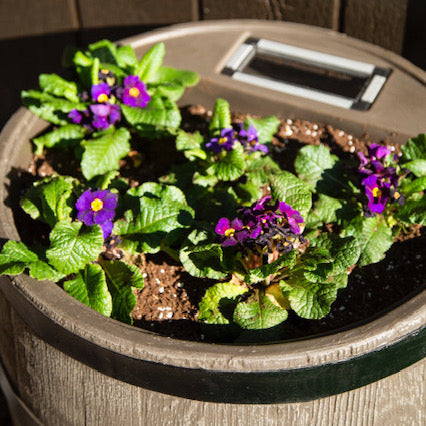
{"type": "Point", "coordinates": [101, 92]}
{"type": "Point", "coordinates": [104, 115]}
{"type": "Point", "coordinates": [226, 141]}
{"type": "Point", "coordinates": [377, 193]}
{"type": "Point", "coordinates": [249, 139]}
{"type": "Point", "coordinates": [293, 217]}
{"type": "Point", "coordinates": [229, 230]}
{"type": "Point", "coordinates": [97, 208]}
{"type": "Point", "coordinates": [134, 92]}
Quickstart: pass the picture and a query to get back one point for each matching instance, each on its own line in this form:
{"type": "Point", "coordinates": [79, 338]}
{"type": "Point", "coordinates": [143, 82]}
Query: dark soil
{"type": "Point", "coordinates": [168, 303]}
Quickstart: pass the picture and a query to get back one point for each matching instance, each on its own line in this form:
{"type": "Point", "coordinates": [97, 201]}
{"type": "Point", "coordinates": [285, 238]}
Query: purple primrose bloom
{"type": "Point", "coordinates": [104, 115]}
{"type": "Point", "coordinates": [249, 139]}
{"type": "Point", "coordinates": [225, 141]}
{"type": "Point", "coordinates": [97, 208]}
{"type": "Point", "coordinates": [101, 92]}
{"type": "Point", "coordinates": [134, 92]}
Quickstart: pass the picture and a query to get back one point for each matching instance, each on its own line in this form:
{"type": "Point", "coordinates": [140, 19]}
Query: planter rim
{"type": "Point", "coordinates": [53, 303]}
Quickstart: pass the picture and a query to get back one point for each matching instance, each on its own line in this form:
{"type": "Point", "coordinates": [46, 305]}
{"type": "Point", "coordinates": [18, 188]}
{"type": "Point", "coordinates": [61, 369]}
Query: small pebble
{"type": "Point", "coordinates": [288, 121]}
{"type": "Point", "coordinates": [352, 149]}
{"type": "Point", "coordinates": [157, 281]}
{"type": "Point", "coordinates": [314, 134]}
{"type": "Point", "coordinates": [315, 127]}
{"type": "Point", "coordinates": [162, 271]}
{"type": "Point", "coordinates": [144, 274]}
{"type": "Point", "coordinates": [169, 315]}
{"type": "Point", "coordinates": [350, 137]}
{"type": "Point", "coordinates": [160, 316]}
{"type": "Point", "coordinates": [392, 148]}
{"type": "Point", "coordinates": [308, 132]}
{"type": "Point", "coordinates": [161, 290]}
{"type": "Point", "coordinates": [287, 130]}
{"type": "Point", "coordinates": [350, 142]}
{"type": "Point", "coordinates": [180, 285]}
{"type": "Point", "coordinates": [341, 133]}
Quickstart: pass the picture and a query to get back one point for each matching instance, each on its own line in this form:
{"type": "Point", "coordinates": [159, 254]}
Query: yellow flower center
{"type": "Point", "coordinates": [134, 92]}
{"type": "Point", "coordinates": [221, 141]}
{"type": "Point", "coordinates": [103, 98]}
{"type": "Point", "coordinates": [110, 81]}
{"type": "Point", "coordinates": [376, 192]}
{"type": "Point", "coordinates": [104, 71]}
{"type": "Point", "coordinates": [230, 232]}
{"type": "Point", "coordinates": [96, 205]}
{"type": "Point", "coordinates": [396, 195]}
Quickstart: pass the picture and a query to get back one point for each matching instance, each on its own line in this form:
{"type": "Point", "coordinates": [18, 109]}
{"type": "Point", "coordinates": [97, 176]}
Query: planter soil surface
{"type": "Point", "coordinates": [168, 304]}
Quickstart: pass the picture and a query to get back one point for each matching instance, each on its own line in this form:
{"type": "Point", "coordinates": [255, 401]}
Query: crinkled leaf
{"type": "Point", "coordinates": [261, 170]}
{"type": "Point", "coordinates": [203, 261]}
{"type": "Point", "coordinates": [414, 149]}
{"type": "Point", "coordinates": [72, 246]}
{"type": "Point", "coordinates": [373, 236]}
{"type": "Point", "coordinates": [218, 303]}
{"type": "Point", "coordinates": [221, 118]}
{"type": "Point", "coordinates": [64, 135]}
{"type": "Point", "coordinates": [312, 161]}
{"type": "Point", "coordinates": [50, 200]}
{"type": "Point", "coordinates": [16, 257]}
{"type": "Point", "coordinates": [416, 185]}
{"type": "Point", "coordinates": [104, 50]}
{"type": "Point", "coordinates": [157, 209]}
{"type": "Point", "coordinates": [324, 211]}
{"type": "Point", "coordinates": [121, 279]}
{"type": "Point", "coordinates": [266, 127]}
{"type": "Point", "coordinates": [286, 260]}
{"type": "Point", "coordinates": [151, 62]}
{"type": "Point", "coordinates": [309, 300]}
{"type": "Point", "coordinates": [258, 312]}
{"type": "Point", "coordinates": [230, 164]}
{"type": "Point", "coordinates": [172, 91]}
{"type": "Point", "coordinates": [126, 57]}
{"type": "Point", "coordinates": [418, 167]}
{"type": "Point", "coordinates": [160, 112]}
{"type": "Point", "coordinates": [190, 144]}
{"type": "Point", "coordinates": [57, 86]}
{"type": "Point", "coordinates": [293, 191]}
{"type": "Point", "coordinates": [413, 211]}
{"type": "Point", "coordinates": [90, 287]}
{"type": "Point", "coordinates": [103, 154]}
{"type": "Point", "coordinates": [182, 77]}
{"type": "Point", "coordinates": [49, 107]}
{"type": "Point", "coordinates": [104, 181]}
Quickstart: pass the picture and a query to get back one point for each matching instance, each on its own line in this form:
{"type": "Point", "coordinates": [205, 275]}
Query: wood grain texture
{"type": "Point", "coordinates": [100, 13]}
{"type": "Point", "coordinates": [323, 13]}
{"type": "Point", "coordinates": [24, 17]}
{"type": "Point", "coordinates": [380, 22]}
{"type": "Point", "coordinates": [63, 391]}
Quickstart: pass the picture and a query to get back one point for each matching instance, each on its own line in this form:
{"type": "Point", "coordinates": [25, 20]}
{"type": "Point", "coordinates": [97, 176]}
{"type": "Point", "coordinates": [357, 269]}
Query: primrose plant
{"type": "Point", "coordinates": [373, 197]}
{"type": "Point", "coordinates": [111, 97]}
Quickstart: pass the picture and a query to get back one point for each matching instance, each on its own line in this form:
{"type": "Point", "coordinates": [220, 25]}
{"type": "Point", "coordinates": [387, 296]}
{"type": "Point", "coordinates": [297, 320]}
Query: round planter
{"type": "Point", "coordinates": [63, 363]}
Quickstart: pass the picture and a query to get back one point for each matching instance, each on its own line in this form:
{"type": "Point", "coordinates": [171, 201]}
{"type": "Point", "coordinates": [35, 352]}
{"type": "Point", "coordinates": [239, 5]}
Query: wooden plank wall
{"type": "Point", "coordinates": [382, 22]}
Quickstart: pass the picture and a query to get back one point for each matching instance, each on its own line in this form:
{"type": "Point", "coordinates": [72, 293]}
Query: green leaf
{"type": "Point", "coordinates": [415, 149]}
{"type": "Point", "coordinates": [103, 154]}
{"type": "Point", "coordinates": [261, 170]}
{"type": "Point", "coordinates": [266, 127]}
{"type": "Point", "coordinates": [229, 165]}
{"type": "Point", "coordinates": [258, 312]}
{"type": "Point", "coordinates": [126, 57]}
{"type": "Point", "coordinates": [312, 161]}
{"type": "Point", "coordinates": [104, 50]}
{"type": "Point", "coordinates": [309, 300]}
{"type": "Point", "coordinates": [182, 77]}
{"type": "Point", "coordinates": [172, 91]}
{"type": "Point", "coordinates": [221, 118]}
{"type": "Point", "coordinates": [418, 167]}
{"type": "Point", "coordinates": [286, 260]}
{"type": "Point", "coordinates": [159, 113]}
{"type": "Point", "coordinates": [345, 252]}
{"type": "Point", "coordinates": [413, 211]}
{"type": "Point", "coordinates": [190, 144]}
{"type": "Point", "coordinates": [64, 135]}
{"type": "Point", "coordinates": [203, 261]}
{"type": "Point", "coordinates": [324, 211]}
{"type": "Point", "coordinates": [16, 257]}
{"type": "Point", "coordinates": [90, 287]}
{"type": "Point", "coordinates": [48, 107]}
{"type": "Point", "coordinates": [416, 185]}
{"type": "Point", "coordinates": [157, 210]}
{"type": "Point", "coordinates": [218, 303]}
{"type": "Point", "coordinates": [151, 62]}
{"type": "Point", "coordinates": [72, 246]}
{"type": "Point", "coordinates": [49, 199]}
{"type": "Point", "coordinates": [373, 236]}
{"type": "Point", "coordinates": [293, 191]}
{"type": "Point", "coordinates": [121, 279]}
{"type": "Point", "coordinates": [57, 86]}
